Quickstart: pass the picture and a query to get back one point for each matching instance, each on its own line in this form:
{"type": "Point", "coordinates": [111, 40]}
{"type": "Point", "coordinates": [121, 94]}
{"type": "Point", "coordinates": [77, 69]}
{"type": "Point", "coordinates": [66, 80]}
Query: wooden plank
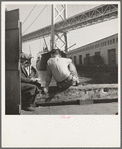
{"type": "Point", "coordinates": [76, 102]}
{"type": "Point", "coordinates": [12, 16]}
{"type": "Point", "coordinates": [12, 45]}
{"type": "Point", "coordinates": [12, 75]}
{"type": "Point", "coordinates": [12, 92]}
{"type": "Point", "coordinates": [20, 38]}
{"type": "Point", "coordinates": [12, 65]}
{"type": "Point", "coordinates": [95, 86]}
{"type": "Point", "coordinates": [12, 25]}
{"type": "Point", "coordinates": [105, 100]}
{"type": "Point", "coordinates": [85, 102]}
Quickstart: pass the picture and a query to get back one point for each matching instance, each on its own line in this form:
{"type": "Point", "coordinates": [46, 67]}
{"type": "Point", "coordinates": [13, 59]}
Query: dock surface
{"type": "Point", "coordinates": [87, 94]}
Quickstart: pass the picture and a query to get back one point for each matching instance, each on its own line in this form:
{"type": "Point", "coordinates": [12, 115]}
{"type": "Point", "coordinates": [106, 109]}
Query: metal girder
{"type": "Point", "coordinates": [58, 13]}
{"type": "Point", "coordinates": [90, 17]}
{"type": "Point", "coordinates": [93, 16]}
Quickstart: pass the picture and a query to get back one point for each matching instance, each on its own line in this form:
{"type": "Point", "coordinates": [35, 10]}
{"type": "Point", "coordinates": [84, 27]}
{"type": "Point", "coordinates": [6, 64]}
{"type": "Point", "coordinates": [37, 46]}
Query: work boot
{"type": "Point", "coordinates": [30, 107]}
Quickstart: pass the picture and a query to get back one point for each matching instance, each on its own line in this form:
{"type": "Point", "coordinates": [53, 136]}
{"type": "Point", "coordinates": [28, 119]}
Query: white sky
{"type": "Point", "coordinates": [81, 36]}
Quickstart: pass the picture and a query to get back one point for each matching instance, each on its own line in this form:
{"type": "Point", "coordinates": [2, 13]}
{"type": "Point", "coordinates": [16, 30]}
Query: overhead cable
{"type": "Point", "coordinates": [35, 19]}
{"type": "Point", "coordinates": [29, 14]}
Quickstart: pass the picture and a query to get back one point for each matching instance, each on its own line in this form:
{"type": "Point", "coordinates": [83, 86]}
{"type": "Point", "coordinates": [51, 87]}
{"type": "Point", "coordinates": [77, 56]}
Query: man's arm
{"type": "Point", "coordinates": [48, 79]}
{"type": "Point", "coordinates": [25, 80]}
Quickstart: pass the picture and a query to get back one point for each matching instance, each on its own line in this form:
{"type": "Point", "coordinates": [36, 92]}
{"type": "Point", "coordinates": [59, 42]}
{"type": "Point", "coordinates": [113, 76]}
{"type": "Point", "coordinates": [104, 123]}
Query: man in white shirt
{"type": "Point", "coordinates": [62, 69]}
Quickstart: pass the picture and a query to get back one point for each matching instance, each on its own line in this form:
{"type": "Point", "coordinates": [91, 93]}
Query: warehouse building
{"type": "Point", "coordinates": [104, 51]}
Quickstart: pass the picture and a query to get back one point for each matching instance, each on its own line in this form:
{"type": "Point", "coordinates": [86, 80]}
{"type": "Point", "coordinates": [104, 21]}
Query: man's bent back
{"type": "Point", "coordinates": [59, 68]}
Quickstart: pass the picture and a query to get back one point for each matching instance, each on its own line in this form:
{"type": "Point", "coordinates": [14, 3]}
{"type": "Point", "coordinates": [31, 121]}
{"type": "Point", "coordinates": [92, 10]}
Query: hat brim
{"type": "Point", "coordinates": [25, 56]}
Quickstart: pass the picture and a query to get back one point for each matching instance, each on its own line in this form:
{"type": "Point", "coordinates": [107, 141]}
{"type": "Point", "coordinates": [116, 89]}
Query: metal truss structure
{"type": "Point", "coordinates": [58, 13]}
{"type": "Point", "coordinates": [93, 16]}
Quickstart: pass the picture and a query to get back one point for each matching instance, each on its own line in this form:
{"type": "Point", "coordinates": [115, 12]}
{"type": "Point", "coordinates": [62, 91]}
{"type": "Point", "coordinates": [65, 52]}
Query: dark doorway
{"type": "Point", "coordinates": [75, 60]}
{"type": "Point", "coordinates": [112, 57]}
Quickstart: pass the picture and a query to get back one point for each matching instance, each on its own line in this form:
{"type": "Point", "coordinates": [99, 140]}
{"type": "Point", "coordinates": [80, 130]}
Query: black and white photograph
{"type": "Point", "coordinates": [61, 59]}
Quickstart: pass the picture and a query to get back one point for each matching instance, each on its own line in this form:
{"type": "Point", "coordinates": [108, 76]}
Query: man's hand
{"type": "Point", "coordinates": [45, 90]}
{"type": "Point", "coordinates": [35, 79]}
{"type": "Point", "coordinates": [36, 82]}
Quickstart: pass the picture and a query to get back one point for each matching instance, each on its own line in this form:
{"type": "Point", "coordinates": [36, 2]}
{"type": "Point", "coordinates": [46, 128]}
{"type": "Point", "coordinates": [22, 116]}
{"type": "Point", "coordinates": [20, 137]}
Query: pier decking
{"type": "Point", "coordinates": [87, 94]}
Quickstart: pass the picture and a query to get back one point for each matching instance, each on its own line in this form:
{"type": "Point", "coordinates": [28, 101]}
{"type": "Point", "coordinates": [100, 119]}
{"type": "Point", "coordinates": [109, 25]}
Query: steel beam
{"type": "Point", "coordinates": [93, 16]}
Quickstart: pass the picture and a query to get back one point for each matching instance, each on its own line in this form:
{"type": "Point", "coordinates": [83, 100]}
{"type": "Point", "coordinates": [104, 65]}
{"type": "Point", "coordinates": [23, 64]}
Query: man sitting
{"type": "Point", "coordinates": [63, 71]}
{"type": "Point", "coordinates": [30, 87]}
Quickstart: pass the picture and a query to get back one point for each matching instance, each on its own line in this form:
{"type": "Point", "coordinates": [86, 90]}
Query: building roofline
{"type": "Point", "coordinates": [92, 43]}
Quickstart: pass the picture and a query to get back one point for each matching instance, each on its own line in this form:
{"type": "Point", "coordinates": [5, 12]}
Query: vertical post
{"type": "Point", "coordinates": [20, 51]}
{"type": "Point", "coordinates": [30, 61]}
{"type": "Point", "coordinates": [52, 30]}
{"type": "Point", "coordinates": [65, 34]}
{"type": "Point", "coordinates": [65, 38]}
{"type": "Point", "coordinates": [12, 72]}
{"type": "Point", "coordinates": [61, 14]}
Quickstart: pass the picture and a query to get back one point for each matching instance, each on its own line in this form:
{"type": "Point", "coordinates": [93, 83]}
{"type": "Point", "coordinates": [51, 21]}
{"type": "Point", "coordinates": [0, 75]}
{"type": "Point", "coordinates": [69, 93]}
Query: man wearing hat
{"type": "Point", "coordinates": [29, 86]}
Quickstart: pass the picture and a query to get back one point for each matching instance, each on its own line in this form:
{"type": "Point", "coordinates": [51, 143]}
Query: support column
{"type": "Point", "coordinates": [65, 34]}
{"type": "Point", "coordinates": [52, 29]}
{"type": "Point", "coordinates": [58, 14]}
